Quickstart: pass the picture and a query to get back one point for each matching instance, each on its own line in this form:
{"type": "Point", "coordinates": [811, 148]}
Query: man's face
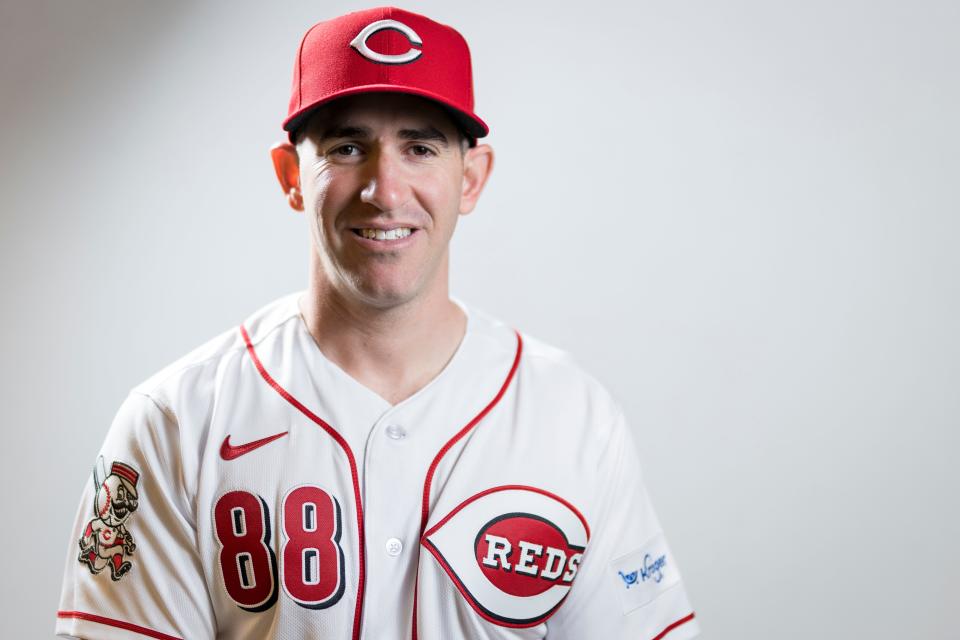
{"type": "Point", "coordinates": [382, 165]}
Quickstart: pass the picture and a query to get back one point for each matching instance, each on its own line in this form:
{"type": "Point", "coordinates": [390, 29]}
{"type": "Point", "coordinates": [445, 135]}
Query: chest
{"type": "Point", "coordinates": [339, 526]}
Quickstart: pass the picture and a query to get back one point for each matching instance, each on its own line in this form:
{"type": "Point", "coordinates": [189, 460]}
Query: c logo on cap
{"type": "Point", "coordinates": [360, 43]}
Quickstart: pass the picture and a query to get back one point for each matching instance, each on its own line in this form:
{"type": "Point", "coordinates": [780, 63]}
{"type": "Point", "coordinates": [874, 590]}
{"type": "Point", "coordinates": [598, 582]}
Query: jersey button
{"type": "Point", "coordinates": [396, 432]}
{"type": "Point", "coordinates": [394, 547]}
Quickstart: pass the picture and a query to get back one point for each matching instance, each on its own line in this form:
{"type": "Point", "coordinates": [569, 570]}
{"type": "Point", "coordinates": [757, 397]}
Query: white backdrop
{"type": "Point", "coordinates": [742, 216]}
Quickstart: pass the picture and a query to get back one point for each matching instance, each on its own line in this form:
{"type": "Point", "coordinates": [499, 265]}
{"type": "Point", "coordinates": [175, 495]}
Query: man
{"type": "Point", "coordinates": [371, 458]}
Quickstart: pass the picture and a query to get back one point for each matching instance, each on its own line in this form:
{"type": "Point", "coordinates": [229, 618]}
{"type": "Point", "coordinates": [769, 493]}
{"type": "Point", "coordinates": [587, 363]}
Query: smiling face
{"type": "Point", "coordinates": [115, 501]}
{"type": "Point", "coordinates": [383, 179]}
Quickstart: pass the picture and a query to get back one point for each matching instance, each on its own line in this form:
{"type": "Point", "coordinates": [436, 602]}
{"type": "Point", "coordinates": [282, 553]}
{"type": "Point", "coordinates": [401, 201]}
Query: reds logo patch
{"type": "Point", "coordinates": [106, 542]}
{"type": "Point", "coordinates": [512, 551]}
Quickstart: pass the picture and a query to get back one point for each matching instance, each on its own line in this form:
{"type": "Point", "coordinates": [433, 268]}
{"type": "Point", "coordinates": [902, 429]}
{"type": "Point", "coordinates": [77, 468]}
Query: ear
{"type": "Point", "coordinates": [286, 163]}
{"type": "Point", "coordinates": [477, 165]}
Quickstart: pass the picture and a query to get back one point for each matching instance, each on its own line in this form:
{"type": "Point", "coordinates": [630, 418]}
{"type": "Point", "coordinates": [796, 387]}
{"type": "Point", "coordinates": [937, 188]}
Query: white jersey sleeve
{"type": "Point", "coordinates": [132, 568]}
{"type": "Point", "coordinates": [629, 586]}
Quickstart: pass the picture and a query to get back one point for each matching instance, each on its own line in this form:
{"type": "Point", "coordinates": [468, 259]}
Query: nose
{"type": "Point", "coordinates": [386, 187]}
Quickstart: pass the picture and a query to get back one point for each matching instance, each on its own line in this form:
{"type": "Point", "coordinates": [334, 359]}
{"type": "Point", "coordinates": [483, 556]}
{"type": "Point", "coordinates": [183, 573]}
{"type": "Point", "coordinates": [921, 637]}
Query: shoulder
{"type": "Point", "coordinates": [550, 375]}
{"type": "Point", "coordinates": [194, 377]}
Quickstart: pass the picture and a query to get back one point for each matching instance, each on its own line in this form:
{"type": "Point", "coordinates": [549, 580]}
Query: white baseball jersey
{"type": "Point", "coordinates": [253, 489]}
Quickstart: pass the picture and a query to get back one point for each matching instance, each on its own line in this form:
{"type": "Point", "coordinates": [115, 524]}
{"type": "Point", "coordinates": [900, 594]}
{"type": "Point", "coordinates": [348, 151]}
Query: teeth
{"type": "Point", "coordinates": [380, 234]}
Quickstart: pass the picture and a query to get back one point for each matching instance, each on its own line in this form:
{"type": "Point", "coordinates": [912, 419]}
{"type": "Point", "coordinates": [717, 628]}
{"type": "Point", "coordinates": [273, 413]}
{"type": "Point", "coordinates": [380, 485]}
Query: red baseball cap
{"type": "Point", "coordinates": [383, 49]}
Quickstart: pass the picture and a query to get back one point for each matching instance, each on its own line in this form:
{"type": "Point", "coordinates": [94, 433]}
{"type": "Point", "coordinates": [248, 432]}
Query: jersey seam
{"type": "Point", "coordinates": [272, 329]}
{"type": "Point", "coordinates": [164, 409]}
{"type": "Point", "coordinates": [240, 347]}
{"type": "Point", "coordinates": [569, 362]}
{"type": "Point", "coordinates": [191, 504]}
{"type": "Point", "coordinates": [187, 367]}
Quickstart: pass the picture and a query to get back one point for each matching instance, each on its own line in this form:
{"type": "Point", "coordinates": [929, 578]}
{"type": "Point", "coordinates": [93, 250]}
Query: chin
{"type": "Point", "coordinates": [385, 296]}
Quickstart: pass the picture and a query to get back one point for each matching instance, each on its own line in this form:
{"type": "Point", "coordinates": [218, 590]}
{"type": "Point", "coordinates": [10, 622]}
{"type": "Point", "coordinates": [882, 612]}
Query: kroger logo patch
{"type": "Point", "coordinates": [651, 570]}
{"type": "Point", "coordinates": [644, 574]}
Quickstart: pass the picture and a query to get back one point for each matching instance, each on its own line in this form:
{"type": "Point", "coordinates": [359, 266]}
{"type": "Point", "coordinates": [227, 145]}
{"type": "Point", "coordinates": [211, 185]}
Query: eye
{"type": "Point", "coordinates": [421, 150]}
{"type": "Point", "coordinates": [346, 150]}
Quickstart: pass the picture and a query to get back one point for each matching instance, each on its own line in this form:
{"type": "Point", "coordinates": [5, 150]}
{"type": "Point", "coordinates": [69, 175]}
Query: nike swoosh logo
{"type": "Point", "coordinates": [232, 452]}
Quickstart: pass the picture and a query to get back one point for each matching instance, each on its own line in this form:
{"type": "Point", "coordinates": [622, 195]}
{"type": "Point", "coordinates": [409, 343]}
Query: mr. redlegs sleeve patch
{"type": "Point", "coordinates": [512, 551]}
{"type": "Point", "coordinates": [105, 541]}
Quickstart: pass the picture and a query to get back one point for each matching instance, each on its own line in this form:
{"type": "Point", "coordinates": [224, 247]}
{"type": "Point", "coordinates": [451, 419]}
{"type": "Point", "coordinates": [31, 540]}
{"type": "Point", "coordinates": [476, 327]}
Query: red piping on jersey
{"type": "Point", "coordinates": [358, 612]}
{"type": "Point", "coordinates": [674, 625]}
{"type": "Point", "coordinates": [120, 624]}
{"type": "Point", "coordinates": [425, 509]}
{"type": "Point", "coordinates": [509, 487]}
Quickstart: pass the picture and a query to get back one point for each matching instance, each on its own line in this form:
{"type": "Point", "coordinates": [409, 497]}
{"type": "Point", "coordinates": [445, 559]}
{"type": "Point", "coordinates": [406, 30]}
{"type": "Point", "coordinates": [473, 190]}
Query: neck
{"type": "Point", "coordinates": [392, 350]}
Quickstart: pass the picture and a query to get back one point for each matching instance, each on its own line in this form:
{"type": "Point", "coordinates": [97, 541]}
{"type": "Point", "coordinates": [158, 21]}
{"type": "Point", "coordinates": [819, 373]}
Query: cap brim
{"type": "Point", "coordinates": [472, 125]}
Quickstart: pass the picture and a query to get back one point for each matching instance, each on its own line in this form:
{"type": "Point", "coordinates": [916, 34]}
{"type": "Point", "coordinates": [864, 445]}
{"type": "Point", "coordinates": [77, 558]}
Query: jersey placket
{"type": "Point", "coordinates": [398, 452]}
{"type": "Point", "coordinates": [392, 471]}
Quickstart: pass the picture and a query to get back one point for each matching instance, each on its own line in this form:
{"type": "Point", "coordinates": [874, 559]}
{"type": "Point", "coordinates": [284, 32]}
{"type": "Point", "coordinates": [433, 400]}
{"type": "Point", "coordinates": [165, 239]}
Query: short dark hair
{"type": "Point", "coordinates": [462, 136]}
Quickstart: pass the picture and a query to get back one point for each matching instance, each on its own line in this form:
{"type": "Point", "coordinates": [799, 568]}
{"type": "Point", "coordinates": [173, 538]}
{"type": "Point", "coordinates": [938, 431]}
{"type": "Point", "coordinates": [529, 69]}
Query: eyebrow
{"type": "Point", "coordinates": [365, 133]}
{"type": "Point", "coordinates": [427, 133]}
{"type": "Point", "coordinates": [345, 131]}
